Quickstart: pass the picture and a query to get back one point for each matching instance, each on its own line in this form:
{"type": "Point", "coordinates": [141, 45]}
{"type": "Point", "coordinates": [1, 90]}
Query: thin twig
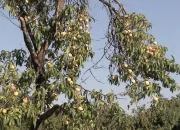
{"type": "Point", "coordinates": [83, 80]}
{"type": "Point", "coordinates": [95, 77]}
{"type": "Point", "coordinates": [9, 19]}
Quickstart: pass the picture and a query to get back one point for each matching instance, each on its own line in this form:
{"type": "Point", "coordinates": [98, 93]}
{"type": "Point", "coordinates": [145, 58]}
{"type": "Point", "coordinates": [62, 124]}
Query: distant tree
{"type": "Point", "coordinates": [56, 34]}
{"type": "Point", "coordinates": [164, 116]}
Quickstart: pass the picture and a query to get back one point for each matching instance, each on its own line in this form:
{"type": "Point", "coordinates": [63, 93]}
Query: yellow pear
{"type": "Point", "coordinates": [129, 31]}
{"type": "Point", "coordinates": [87, 20]}
{"type": "Point", "coordinates": [12, 86]}
{"type": "Point", "coordinates": [26, 1]}
{"type": "Point", "coordinates": [80, 108]}
{"type": "Point", "coordinates": [71, 82]}
{"type": "Point", "coordinates": [74, 38]}
{"type": "Point", "coordinates": [71, 20]}
{"type": "Point", "coordinates": [77, 89]}
{"type": "Point", "coordinates": [74, 47]}
{"type": "Point", "coordinates": [29, 17]}
{"type": "Point", "coordinates": [155, 43]}
{"type": "Point", "coordinates": [129, 70]}
{"type": "Point", "coordinates": [76, 65]}
{"type": "Point", "coordinates": [80, 19]}
{"type": "Point", "coordinates": [87, 31]}
{"type": "Point", "coordinates": [67, 122]}
{"type": "Point", "coordinates": [4, 111]}
{"type": "Point", "coordinates": [16, 93]}
{"type": "Point", "coordinates": [70, 55]}
{"type": "Point", "coordinates": [51, 86]}
{"type": "Point", "coordinates": [147, 87]}
{"type": "Point", "coordinates": [69, 29]}
{"type": "Point", "coordinates": [63, 33]}
{"type": "Point", "coordinates": [133, 81]}
{"type": "Point", "coordinates": [25, 100]}
{"type": "Point", "coordinates": [125, 31]}
{"type": "Point", "coordinates": [49, 64]}
{"type": "Point", "coordinates": [147, 82]}
{"type": "Point", "coordinates": [92, 125]}
{"type": "Point", "coordinates": [151, 53]}
{"type": "Point", "coordinates": [112, 77]}
{"type": "Point", "coordinates": [11, 67]}
{"type": "Point", "coordinates": [37, 22]}
{"type": "Point", "coordinates": [130, 35]}
{"type": "Point", "coordinates": [148, 51]}
{"type": "Point", "coordinates": [69, 79]}
{"type": "Point", "coordinates": [126, 16]}
{"type": "Point", "coordinates": [80, 27]}
{"type": "Point", "coordinates": [155, 98]}
{"type": "Point", "coordinates": [56, 97]}
{"type": "Point", "coordinates": [79, 36]}
{"type": "Point", "coordinates": [87, 26]}
{"type": "Point", "coordinates": [125, 65]}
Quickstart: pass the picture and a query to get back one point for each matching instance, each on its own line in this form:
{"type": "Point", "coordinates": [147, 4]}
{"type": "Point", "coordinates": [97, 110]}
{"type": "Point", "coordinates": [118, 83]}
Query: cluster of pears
{"type": "Point", "coordinates": [78, 97]}
{"type": "Point", "coordinates": [15, 91]}
{"type": "Point", "coordinates": [11, 67]}
{"type": "Point", "coordinates": [76, 36]}
{"type": "Point", "coordinates": [74, 27]}
{"type": "Point", "coordinates": [55, 96]}
{"type": "Point", "coordinates": [128, 33]}
{"type": "Point", "coordinates": [146, 82]}
{"type": "Point", "coordinates": [152, 49]}
{"type": "Point", "coordinates": [126, 66]}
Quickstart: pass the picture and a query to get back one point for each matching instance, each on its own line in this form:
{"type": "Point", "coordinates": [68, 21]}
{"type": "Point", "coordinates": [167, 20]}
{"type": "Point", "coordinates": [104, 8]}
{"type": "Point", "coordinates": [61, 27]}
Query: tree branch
{"type": "Point", "coordinates": [42, 53]}
{"type": "Point", "coordinates": [27, 39]}
{"type": "Point", "coordinates": [45, 116]}
{"type": "Point", "coordinates": [44, 47]}
{"type": "Point", "coordinates": [112, 8]}
{"type": "Point", "coordinates": [3, 15]}
{"type": "Point", "coordinates": [107, 4]}
{"type": "Point", "coordinates": [60, 5]}
{"type": "Point", "coordinates": [86, 91]}
{"type": "Point", "coordinates": [31, 34]}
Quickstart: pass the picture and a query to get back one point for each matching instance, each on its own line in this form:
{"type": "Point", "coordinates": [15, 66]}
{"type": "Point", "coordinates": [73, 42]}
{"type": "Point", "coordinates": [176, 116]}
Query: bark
{"type": "Point", "coordinates": [44, 116]}
{"type": "Point", "coordinates": [38, 58]}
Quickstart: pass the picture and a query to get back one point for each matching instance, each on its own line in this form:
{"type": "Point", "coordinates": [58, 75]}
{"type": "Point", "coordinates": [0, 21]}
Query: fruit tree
{"type": "Point", "coordinates": [58, 40]}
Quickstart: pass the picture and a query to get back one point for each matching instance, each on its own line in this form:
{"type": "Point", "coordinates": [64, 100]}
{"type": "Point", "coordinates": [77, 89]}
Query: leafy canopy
{"type": "Point", "coordinates": [56, 34]}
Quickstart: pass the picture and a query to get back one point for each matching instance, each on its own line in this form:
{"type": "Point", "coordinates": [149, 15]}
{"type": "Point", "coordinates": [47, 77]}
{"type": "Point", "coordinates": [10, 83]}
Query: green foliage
{"type": "Point", "coordinates": [137, 58]}
{"type": "Point", "coordinates": [100, 115]}
{"type": "Point", "coordinates": [58, 41]}
{"type": "Point", "coordinates": [164, 116]}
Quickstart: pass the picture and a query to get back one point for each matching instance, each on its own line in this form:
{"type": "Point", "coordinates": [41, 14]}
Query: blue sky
{"type": "Point", "coordinates": [164, 16]}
